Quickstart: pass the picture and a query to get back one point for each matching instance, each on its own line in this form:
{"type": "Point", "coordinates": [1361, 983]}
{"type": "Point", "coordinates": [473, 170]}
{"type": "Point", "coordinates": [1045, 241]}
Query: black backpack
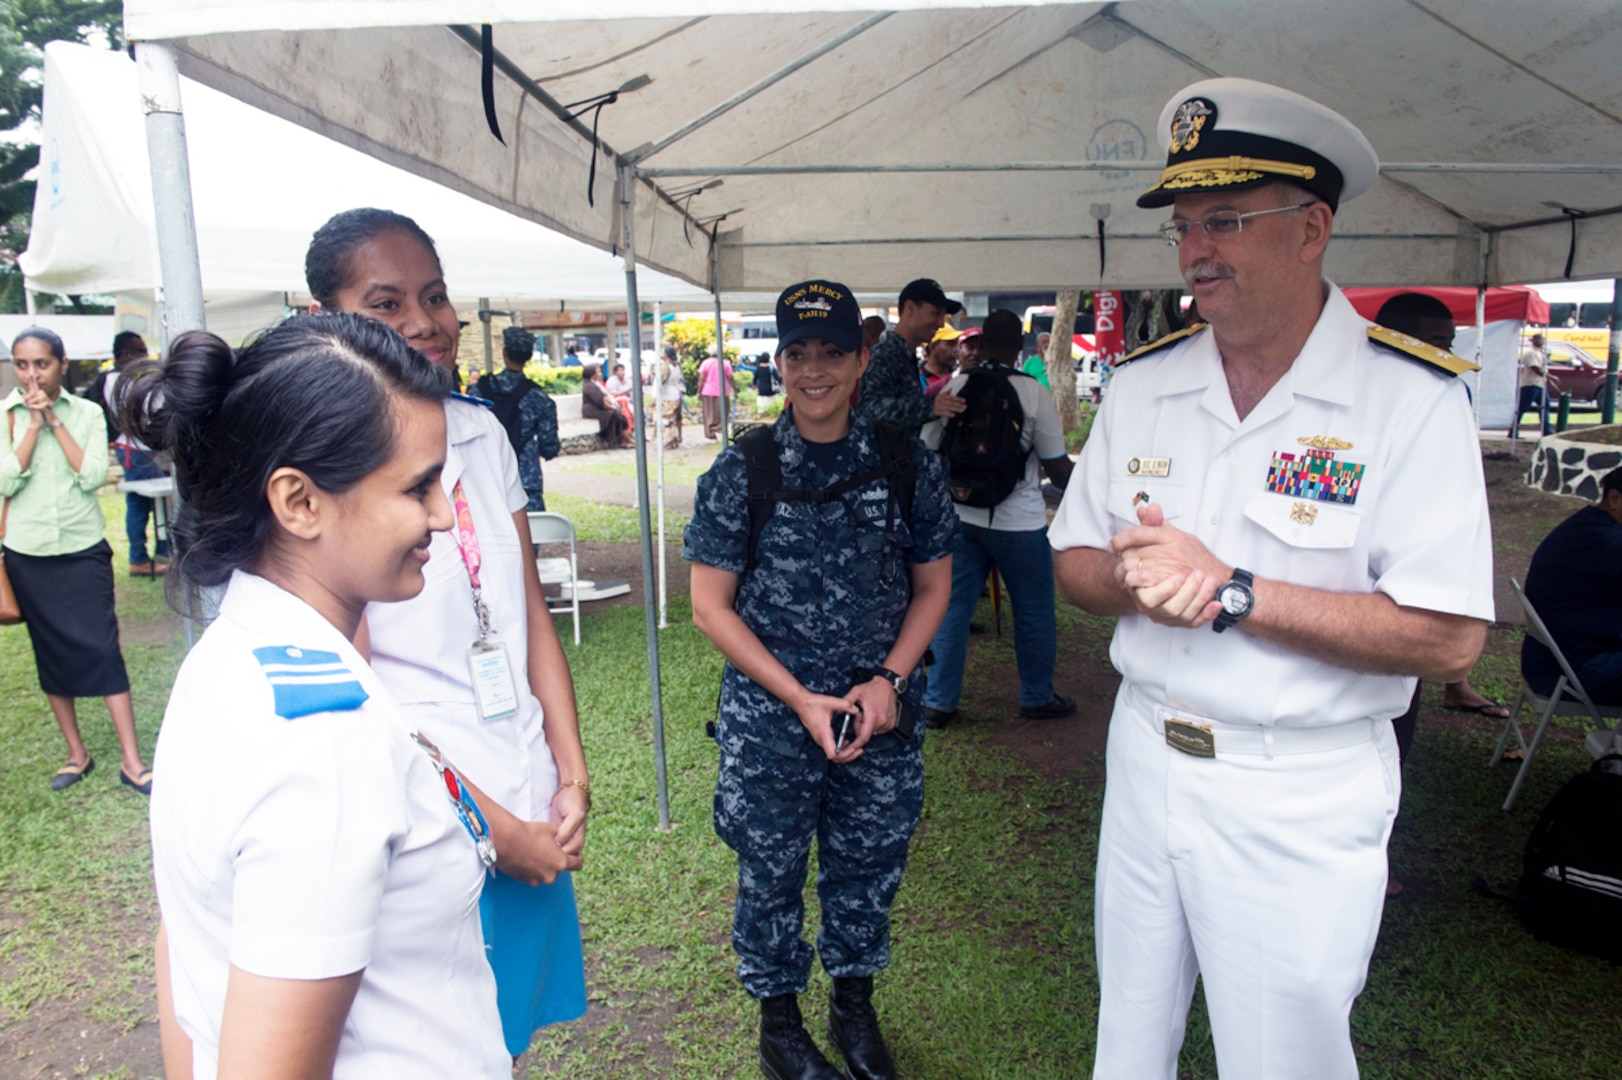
{"type": "Point", "coordinates": [97, 392]}
{"type": "Point", "coordinates": [508, 409]}
{"type": "Point", "coordinates": [765, 473]}
{"type": "Point", "coordinates": [982, 444]}
{"type": "Point", "coordinates": [1571, 880]}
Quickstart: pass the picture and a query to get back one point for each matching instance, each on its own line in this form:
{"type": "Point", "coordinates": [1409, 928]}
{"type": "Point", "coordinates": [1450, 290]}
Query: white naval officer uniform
{"type": "Point", "coordinates": [419, 646]}
{"type": "Point", "coordinates": [299, 833]}
{"type": "Point", "coordinates": [1263, 869]}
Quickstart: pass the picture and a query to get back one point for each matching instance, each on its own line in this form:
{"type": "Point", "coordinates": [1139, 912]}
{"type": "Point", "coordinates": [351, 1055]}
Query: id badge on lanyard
{"type": "Point", "coordinates": [490, 670]}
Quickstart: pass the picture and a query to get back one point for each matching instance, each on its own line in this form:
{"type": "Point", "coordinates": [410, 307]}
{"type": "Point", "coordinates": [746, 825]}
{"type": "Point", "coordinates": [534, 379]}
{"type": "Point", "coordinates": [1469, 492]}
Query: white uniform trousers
{"type": "Point", "coordinates": [1263, 874]}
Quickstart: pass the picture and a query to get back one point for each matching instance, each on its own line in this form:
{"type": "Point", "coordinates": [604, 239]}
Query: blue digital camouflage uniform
{"type": "Point", "coordinates": [540, 429]}
{"type": "Point", "coordinates": [819, 601]}
{"type": "Point", "coordinates": [890, 390]}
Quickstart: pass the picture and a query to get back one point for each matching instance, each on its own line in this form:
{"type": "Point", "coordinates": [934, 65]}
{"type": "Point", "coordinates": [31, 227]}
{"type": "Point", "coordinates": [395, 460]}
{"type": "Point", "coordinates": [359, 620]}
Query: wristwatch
{"type": "Point", "coordinates": [898, 683]}
{"type": "Point", "coordinates": [1236, 600]}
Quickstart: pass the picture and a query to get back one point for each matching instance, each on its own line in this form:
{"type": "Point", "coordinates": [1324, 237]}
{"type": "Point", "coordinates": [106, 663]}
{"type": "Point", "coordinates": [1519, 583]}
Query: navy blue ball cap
{"type": "Point", "coordinates": [928, 291]}
{"type": "Point", "coordinates": [819, 309]}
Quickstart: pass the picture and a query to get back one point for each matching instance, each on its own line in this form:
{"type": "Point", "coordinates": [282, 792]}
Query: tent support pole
{"type": "Point", "coordinates": [484, 317]}
{"type": "Point", "coordinates": [179, 269]}
{"type": "Point", "coordinates": [176, 223]}
{"type": "Point", "coordinates": [1608, 409]}
{"type": "Point", "coordinates": [633, 310]}
{"type": "Point", "coordinates": [659, 433]}
{"type": "Point", "coordinates": [721, 375]}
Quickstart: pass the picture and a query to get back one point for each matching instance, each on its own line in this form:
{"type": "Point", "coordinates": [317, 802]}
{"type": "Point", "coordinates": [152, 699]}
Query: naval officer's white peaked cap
{"type": "Point", "coordinates": [1233, 134]}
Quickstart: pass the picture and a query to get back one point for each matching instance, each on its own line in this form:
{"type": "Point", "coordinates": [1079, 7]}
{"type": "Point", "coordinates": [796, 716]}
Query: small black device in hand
{"type": "Point", "coordinates": [842, 722]}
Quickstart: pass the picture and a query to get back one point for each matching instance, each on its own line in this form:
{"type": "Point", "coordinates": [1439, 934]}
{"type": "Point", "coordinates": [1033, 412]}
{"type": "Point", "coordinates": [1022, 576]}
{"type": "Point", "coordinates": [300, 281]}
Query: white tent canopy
{"type": "Point", "coordinates": [990, 139]}
{"type": "Point", "coordinates": [261, 187]}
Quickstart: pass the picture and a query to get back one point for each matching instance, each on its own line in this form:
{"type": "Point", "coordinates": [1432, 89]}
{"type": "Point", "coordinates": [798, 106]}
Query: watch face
{"type": "Point", "coordinates": [1234, 601]}
{"type": "Point", "coordinates": [900, 684]}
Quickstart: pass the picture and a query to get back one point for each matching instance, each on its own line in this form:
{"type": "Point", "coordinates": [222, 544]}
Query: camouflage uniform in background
{"type": "Point", "coordinates": [819, 600]}
{"type": "Point", "coordinates": [890, 390]}
{"type": "Point", "coordinates": [539, 416]}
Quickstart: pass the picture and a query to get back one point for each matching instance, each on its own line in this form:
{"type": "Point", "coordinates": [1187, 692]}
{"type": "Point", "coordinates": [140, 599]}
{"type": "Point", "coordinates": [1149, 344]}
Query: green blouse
{"type": "Point", "coordinates": [52, 510]}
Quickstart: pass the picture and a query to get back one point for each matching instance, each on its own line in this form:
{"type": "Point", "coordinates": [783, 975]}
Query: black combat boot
{"type": "Point", "coordinates": [853, 1028]}
{"type": "Point", "coordinates": [786, 1049]}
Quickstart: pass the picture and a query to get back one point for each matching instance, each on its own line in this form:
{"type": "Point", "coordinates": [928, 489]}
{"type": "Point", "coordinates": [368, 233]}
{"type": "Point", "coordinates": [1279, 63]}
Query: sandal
{"type": "Point", "coordinates": [1485, 709]}
{"type": "Point", "coordinates": [72, 773]}
{"type": "Point", "coordinates": [141, 783]}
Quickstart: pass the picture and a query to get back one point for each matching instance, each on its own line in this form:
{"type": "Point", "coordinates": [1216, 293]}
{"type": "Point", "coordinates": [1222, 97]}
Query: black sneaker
{"type": "Point", "coordinates": [935, 719]}
{"type": "Point", "coordinates": [1057, 709]}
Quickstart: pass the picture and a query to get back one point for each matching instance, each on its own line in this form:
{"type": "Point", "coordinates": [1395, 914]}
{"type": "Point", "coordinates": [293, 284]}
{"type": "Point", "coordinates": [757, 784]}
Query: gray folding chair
{"type": "Point", "coordinates": [549, 528]}
{"type": "Point", "coordinates": [1568, 699]}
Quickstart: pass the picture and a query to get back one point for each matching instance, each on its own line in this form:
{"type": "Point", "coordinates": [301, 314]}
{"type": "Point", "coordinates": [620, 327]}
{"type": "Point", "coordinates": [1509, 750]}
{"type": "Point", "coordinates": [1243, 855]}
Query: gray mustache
{"type": "Point", "coordinates": [1206, 271]}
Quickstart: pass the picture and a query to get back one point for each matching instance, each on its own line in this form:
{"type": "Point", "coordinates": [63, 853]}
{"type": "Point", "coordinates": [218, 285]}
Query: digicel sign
{"type": "Point", "coordinates": [1109, 335]}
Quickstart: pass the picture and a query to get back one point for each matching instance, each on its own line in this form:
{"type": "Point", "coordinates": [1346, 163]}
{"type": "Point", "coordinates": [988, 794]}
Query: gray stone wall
{"type": "Point", "coordinates": [1565, 465]}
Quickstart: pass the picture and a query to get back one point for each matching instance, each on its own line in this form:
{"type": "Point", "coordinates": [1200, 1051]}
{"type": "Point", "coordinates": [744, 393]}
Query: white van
{"type": "Point", "coordinates": [755, 334]}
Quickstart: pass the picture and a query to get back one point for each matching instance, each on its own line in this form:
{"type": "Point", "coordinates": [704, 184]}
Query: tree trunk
{"type": "Point", "coordinates": [1061, 369]}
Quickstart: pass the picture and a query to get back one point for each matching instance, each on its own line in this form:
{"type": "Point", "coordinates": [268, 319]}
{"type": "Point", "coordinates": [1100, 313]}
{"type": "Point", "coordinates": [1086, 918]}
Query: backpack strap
{"type": "Point", "coordinates": [765, 474]}
{"type": "Point", "coordinates": [764, 470]}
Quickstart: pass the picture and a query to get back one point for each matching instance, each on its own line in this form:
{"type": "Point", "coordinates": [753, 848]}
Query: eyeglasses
{"type": "Point", "coordinates": [1220, 224]}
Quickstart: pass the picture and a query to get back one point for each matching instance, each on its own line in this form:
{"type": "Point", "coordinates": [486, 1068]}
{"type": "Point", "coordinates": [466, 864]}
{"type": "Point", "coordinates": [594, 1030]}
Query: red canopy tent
{"type": "Point", "coordinates": [1517, 303]}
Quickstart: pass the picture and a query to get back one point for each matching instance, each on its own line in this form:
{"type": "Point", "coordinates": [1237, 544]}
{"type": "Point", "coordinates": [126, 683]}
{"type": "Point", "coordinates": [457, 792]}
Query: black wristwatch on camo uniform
{"type": "Point", "coordinates": [906, 716]}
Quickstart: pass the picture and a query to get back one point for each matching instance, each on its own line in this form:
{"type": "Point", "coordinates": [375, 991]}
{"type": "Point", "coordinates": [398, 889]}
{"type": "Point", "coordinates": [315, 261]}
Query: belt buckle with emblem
{"type": "Point", "coordinates": [1194, 739]}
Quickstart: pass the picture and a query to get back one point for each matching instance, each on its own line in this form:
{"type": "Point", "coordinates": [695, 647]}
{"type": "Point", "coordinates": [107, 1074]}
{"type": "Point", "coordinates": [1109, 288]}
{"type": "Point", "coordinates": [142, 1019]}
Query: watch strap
{"type": "Point", "coordinates": [1225, 618]}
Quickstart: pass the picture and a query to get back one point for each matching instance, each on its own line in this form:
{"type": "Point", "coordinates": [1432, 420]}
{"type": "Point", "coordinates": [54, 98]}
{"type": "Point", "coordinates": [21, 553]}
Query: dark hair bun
{"type": "Point", "coordinates": [312, 394]}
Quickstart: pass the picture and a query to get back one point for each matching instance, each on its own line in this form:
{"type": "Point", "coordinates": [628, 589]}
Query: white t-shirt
{"type": "Point", "coordinates": [299, 833]}
{"type": "Point", "coordinates": [1399, 433]}
{"type": "Point", "coordinates": [419, 646]}
{"type": "Point", "coordinates": [1534, 366]}
{"type": "Point", "coordinates": [1023, 510]}
{"type": "Point", "coordinates": [674, 386]}
{"type": "Point", "coordinates": [616, 385]}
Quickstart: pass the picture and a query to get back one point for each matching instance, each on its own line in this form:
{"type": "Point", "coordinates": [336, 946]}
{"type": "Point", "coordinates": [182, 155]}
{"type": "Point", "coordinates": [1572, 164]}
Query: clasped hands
{"type": "Point", "coordinates": [1168, 573]}
{"type": "Point", "coordinates": [872, 706]}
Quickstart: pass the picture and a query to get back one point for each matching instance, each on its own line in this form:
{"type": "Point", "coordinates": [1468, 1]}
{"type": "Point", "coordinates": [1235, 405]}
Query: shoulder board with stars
{"type": "Point", "coordinates": [1165, 342]}
{"type": "Point", "coordinates": [309, 681]}
{"type": "Point", "coordinates": [1414, 349]}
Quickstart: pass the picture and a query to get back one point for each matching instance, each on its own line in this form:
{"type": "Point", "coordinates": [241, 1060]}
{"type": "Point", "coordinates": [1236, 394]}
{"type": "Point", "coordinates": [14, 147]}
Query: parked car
{"type": "Point", "coordinates": [1572, 370]}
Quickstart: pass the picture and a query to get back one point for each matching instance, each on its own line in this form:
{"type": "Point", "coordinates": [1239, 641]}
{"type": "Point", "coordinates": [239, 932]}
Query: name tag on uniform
{"type": "Point", "coordinates": [1149, 466]}
{"type": "Point", "coordinates": [1196, 740]}
{"type": "Point", "coordinates": [495, 693]}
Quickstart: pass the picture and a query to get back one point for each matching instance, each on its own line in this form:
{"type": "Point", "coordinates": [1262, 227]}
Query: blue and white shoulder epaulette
{"type": "Point", "coordinates": [309, 681]}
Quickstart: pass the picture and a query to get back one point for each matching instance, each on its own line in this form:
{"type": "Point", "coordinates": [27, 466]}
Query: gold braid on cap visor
{"type": "Point", "coordinates": [1224, 172]}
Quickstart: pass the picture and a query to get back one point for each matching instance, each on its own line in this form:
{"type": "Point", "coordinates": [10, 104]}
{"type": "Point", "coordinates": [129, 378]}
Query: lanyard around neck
{"type": "Point", "coordinates": [467, 542]}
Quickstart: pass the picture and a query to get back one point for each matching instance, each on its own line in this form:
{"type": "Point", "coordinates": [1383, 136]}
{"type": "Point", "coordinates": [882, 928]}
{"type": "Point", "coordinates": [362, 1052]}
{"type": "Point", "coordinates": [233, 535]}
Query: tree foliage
{"type": "Point", "coordinates": [693, 339]}
{"type": "Point", "coordinates": [25, 27]}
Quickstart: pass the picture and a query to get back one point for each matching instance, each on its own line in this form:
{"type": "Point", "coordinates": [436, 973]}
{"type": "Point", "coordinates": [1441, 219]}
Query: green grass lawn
{"type": "Point", "coordinates": [674, 473]}
{"type": "Point", "coordinates": [606, 522]}
{"type": "Point", "coordinates": [686, 467]}
{"type": "Point", "coordinates": [993, 972]}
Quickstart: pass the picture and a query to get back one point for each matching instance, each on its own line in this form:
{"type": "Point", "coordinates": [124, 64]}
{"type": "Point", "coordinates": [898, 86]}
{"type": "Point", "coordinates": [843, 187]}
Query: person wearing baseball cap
{"type": "Point", "coordinates": [823, 605]}
{"type": "Point", "coordinates": [940, 359]}
{"type": "Point", "coordinates": [1284, 505]}
{"type": "Point", "coordinates": [890, 390]}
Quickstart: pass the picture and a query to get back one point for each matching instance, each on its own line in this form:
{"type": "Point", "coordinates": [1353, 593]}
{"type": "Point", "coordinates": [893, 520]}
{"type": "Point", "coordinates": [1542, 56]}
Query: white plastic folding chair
{"type": "Point", "coordinates": [549, 528]}
{"type": "Point", "coordinates": [1568, 699]}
